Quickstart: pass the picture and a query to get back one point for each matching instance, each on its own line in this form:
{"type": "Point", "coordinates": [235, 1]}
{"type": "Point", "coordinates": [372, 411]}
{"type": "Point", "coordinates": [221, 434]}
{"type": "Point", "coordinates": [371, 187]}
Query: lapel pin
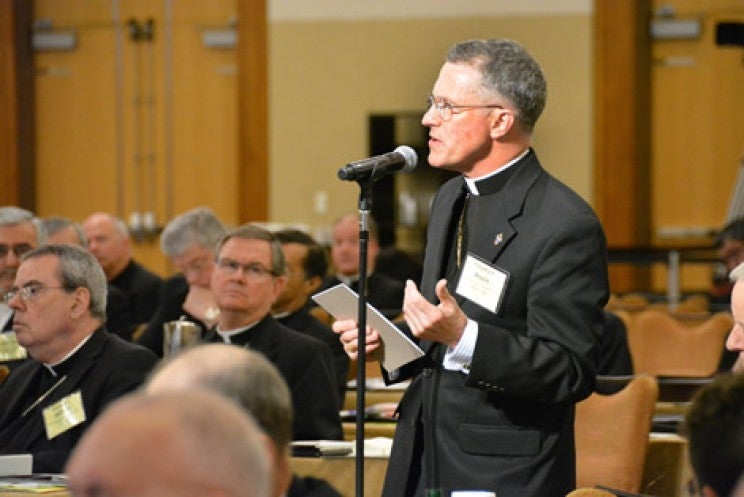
{"type": "Point", "coordinates": [499, 238]}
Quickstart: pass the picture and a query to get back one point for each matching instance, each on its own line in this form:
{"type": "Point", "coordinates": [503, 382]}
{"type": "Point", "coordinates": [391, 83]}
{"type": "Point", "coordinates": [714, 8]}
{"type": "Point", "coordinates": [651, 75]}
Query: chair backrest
{"type": "Point", "coordinates": [662, 345]}
{"type": "Point", "coordinates": [590, 492]}
{"type": "Point", "coordinates": [612, 435]}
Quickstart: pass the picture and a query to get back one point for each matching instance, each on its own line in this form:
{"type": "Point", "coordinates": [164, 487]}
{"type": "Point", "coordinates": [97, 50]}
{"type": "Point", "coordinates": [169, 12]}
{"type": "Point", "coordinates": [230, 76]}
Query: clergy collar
{"type": "Point", "coordinates": [55, 367]}
{"type": "Point", "coordinates": [495, 181]}
{"type": "Point", "coordinates": [348, 280]}
{"type": "Point", "coordinates": [228, 334]}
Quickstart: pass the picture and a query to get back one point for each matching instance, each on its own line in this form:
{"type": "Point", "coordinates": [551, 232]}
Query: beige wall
{"type": "Point", "coordinates": [325, 77]}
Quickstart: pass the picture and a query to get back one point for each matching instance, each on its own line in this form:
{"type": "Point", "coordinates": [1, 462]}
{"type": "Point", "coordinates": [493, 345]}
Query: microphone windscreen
{"type": "Point", "coordinates": [410, 156]}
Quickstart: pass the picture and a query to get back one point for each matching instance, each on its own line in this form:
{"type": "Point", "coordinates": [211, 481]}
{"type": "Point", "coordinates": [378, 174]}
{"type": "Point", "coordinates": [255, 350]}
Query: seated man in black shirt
{"type": "Point", "coordinates": [249, 275]}
{"type": "Point", "coordinates": [188, 240]}
{"type": "Point", "coordinates": [306, 267]}
{"type": "Point", "coordinates": [77, 367]}
{"type": "Point", "coordinates": [383, 292]}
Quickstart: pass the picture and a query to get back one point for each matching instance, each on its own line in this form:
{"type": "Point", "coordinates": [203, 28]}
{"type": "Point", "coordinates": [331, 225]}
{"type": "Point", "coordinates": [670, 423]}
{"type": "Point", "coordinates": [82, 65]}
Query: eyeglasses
{"type": "Point", "coordinates": [253, 270]}
{"type": "Point", "coordinates": [18, 249]}
{"type": "Point", "coordinates": [30, 292]}
{"type": "Point", "coordinates": [446, 109]}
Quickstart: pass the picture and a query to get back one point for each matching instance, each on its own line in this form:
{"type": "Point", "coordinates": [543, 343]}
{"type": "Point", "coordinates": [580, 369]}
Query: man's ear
{"type": "Point", "coordinates": [502, 121]}
{"type": "Point", "coordinates": [312, 284]}
{"type": "Point", "coordinates": [81, 302]}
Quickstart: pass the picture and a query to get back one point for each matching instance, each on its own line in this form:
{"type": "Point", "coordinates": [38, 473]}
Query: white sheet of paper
{"type": "Point", "coordinates": [342, 303]}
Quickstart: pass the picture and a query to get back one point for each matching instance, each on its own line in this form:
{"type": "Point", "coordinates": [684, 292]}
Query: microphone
{"type": "Point", "coordinates": [403, 159]}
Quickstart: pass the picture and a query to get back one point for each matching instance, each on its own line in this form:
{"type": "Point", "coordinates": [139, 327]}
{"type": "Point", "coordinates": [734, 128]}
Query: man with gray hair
{"type": "Point", "coordinates": [119, 317]}
{"type": "Point", "coordinates": [172, 444]}
{"type": "Point", "coordinates": [510, 306]}
{"type": "Point", "coordinates": [249, 379]}
{"type": "Point", "coordinates": [110, 242]}
{"type": "Point", "coordinates": [77, 367]}
{"type": "Point", "coordinates": [20, 231]}
{"type": "Point", "coordinates": [188, 240]}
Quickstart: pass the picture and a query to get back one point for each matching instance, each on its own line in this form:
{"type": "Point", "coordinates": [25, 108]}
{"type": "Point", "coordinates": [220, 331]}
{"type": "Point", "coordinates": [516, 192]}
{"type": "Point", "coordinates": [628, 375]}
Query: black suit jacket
{"type": "Point", "coordinates": [307, 367]}
{"type": "Point", "coordinates": [104, 368]}
{"type": "Point", "coordinates": [142, 288]}
{"type": "Point", "coordinates": [507, 426]}
{"type": "Point", "coordinates": [306, 323]}
{"type": "Point", "coordinates": [172, 296]}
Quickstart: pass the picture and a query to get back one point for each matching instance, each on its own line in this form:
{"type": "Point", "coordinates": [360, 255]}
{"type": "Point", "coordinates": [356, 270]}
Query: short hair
{"type": "Point", "coordinates": [254, 232]}
{"type": "Point", "coordinates": [371, 224]}
{"type": "Point", "coordinates": [315, 262]}
{"type": "Point", "coordinates": [53, 225]}
{"type": "Point", "coordinates": [734, 230]}
{"type": "Point", "coordinates": [247, 378]}
{"type": "Point", "coordinates": [221, 445]}
{"type": "Point", "coordinates": [77, 268]}
{"type": "Point", "coordinates": [11, 215]}
{"type": "Point", "coordinates": [713, 425]}
{"type": "Point", "coordinates": [508, 70]}
{"type": "Point", "coordinates": [198, 226]}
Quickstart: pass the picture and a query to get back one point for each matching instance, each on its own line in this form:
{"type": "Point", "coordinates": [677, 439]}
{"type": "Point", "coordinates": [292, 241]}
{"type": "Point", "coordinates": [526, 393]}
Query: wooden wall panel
{"type": "Point", "coordinates": [16, 106]}
{"type": "Point", "coordinates": [621, 138]}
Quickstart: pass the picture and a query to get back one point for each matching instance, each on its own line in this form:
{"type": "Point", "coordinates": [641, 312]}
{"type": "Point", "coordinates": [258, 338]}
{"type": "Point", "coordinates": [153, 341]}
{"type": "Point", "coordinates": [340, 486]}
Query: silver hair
{"type": "Point", "coordinates": [198, 226]}
{"type": "Point", "coordinates": [77, 269]}
{"type": "Point", "coordinates": [53, 225]}
{"type": "Point", "coordinates": [254, 232]}
{"type": "Point", "coordinates": [509, 71]}
{"type": "Point", "coordinates": [11, 215]}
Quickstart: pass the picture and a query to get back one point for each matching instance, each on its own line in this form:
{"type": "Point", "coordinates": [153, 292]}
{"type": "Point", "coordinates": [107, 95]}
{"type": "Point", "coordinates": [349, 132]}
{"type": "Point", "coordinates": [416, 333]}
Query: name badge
{"type": "Point", "coordinates": [64, 414]}
{"type": "Point", "coordinates": [482, 283]}
{"type": "Point", "coordinates": [9, 348]}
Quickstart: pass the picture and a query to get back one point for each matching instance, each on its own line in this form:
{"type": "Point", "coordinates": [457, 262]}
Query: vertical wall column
{"type": "Point", "coordinates": [17, 173]}
{"type": "Point", "coordinates": [622, 130]}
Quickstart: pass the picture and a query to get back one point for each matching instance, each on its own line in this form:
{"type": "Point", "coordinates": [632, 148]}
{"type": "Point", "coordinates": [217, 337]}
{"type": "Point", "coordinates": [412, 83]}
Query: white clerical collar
{"type": "Point", "coordinates": [50, 366]}
{"type": "Point", "coordinates": [227, 334]}
{"type": "Point", "coordinates": [471, 182]}
{"type": "Point", "coordinates": [348, 280]}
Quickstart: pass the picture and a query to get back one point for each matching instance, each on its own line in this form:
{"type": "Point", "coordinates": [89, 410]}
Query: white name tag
{"type": "Point", "coordinates": [482, 283]}
{"type": "Point", "coordinates": [64, 414]}
{"type": "Point", "coordinates": [9, 348]}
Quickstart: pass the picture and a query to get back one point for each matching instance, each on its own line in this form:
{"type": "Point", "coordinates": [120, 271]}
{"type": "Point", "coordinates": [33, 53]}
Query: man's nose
{"type": "Point", "coordinates": [735, 340]}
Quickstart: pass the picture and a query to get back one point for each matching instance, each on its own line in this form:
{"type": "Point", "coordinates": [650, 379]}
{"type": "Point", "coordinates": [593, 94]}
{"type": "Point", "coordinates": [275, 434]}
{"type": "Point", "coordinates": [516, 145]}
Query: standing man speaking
{"type": "Point", "coordinates": [510, 306]}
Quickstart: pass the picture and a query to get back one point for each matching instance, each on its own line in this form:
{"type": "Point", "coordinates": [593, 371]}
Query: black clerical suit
{"type": "Point", "coordinates": [172, 296]}
{"type": "Point", "coordinates": [304, 322]}
{"type": "Point", "coordinates": [307, 367]}
{"type": "Point", "coordinates": [104, 368]}
{"type": "Point", "coordinates": [142, 288]}
{"type": "Point", "coordinates": [506, 425]}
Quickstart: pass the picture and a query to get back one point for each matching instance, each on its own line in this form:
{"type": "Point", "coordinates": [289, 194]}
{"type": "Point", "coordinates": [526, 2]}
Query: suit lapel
{"type": "Point", "coordinates": [499, 210]}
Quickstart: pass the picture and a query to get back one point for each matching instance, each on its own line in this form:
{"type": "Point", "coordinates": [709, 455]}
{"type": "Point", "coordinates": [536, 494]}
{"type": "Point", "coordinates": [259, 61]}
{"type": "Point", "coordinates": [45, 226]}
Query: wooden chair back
{"type": "Point", "coordinates": [662, 345]}
{"type": "Point", "coordinates": [4, 372]}
{"type": "Point", "coordinates": [612, 435]}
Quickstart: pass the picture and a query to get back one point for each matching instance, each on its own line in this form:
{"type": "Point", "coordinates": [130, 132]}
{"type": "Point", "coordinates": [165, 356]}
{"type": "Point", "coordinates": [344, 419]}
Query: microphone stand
{"type": "Point", "coordinates": [365, 186]}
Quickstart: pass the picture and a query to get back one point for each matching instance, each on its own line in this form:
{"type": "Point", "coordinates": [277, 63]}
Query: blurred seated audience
{"type": "Point", "coordinates": [252, 382]}
{"type": "Point", "coordinates": [713, 425]}
{"type": "Point", "coordinates": [110, 242]}
{"type": "Point", "coordinates": [398, 264]}
{"type": "Point", "coordinates": [729, 243]}
{"type": "Point", "coordinates": [76, 366]}
{"type": "Point", "coordinates": [183, 444]}
{"type": "Point", "coordinates": [735, 341]}
{"type": "Point", "coordinates": [119, 317]}
{"type": "Point", "coordinates": [383, 292]}
{"type": "Point", "coordinates": [188, 240]}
